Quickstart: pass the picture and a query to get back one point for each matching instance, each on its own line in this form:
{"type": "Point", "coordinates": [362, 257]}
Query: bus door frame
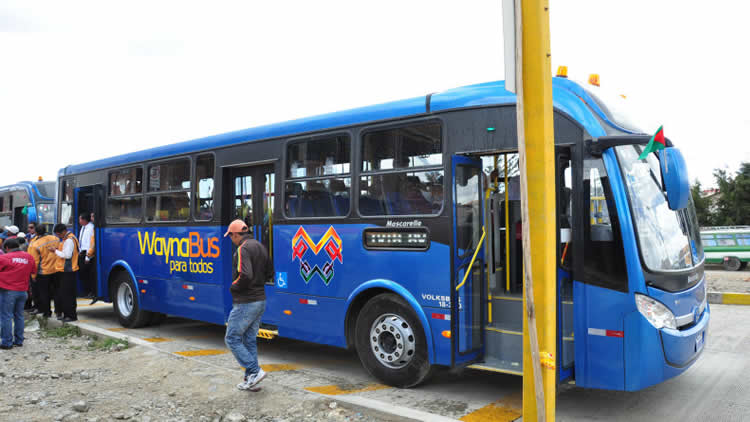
{"type": "Point", "coordinates": [97, 197]}
{"type": "Point", "coordinates": [474, 347]}
{"type": "Point", "coordinates": [254, 170]}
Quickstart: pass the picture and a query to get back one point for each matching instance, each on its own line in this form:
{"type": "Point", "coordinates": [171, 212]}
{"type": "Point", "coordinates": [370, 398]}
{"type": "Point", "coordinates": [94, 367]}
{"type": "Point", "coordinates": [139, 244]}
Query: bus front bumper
{"type": "Point", "coordinates": [654, 356]}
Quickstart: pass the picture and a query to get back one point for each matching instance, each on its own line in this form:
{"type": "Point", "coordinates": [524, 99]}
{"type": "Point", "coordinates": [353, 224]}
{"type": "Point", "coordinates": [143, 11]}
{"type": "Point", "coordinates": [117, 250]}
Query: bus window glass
{"type": "Point", "coordinates": [123, 210]}
{"type": "Point", "coordinates": [123, 182]}
{"type": "Point", "coordinates": [67, 191]}
{"type": "Point", "coordinates": [66, 205]}
{"type": "Point", "coordinates": [669, 240]}
{"type": "Point", "coordinates": [168, 207]}
{"type": "Point", "coordinates": [727, 242]}
{"type": "Point", "coordinates": [324, 164]}
{"type": "Point", "coordinates": [416, 145]}
{"type": "Point", "coordinates": [408, 193]}
{"type": "Point", "coordinates": [318, 198]}
{"type": "Point", "coordinates": [319, 157]}
{"type": "Point", "coordinates": [468, 212]}
{"type": "Point", "coordinates": [708, 240]}
{"type": "Point", "coordinates": [743, 240]}
{"type": "Point", "coordinates": [170, 176]}
{"type": "Point", "coordinates": [46, 189]}
{"type": "Point", "coordinates": [124, 204]}
{"type": "Point", "coordinates": [604, 254]}
{"type": "Point", "coordinates": [46, 213]}
{"type": "Point", "coordinates": [204, 195]}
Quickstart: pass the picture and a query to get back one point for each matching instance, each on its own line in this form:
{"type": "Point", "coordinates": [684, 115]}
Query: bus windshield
{"type": "Point", "coordinates": [46, 189]}
{"type": "Point", "coordinates": [669, 240]}
{"type": "Point", "coordinates": [46, 213]}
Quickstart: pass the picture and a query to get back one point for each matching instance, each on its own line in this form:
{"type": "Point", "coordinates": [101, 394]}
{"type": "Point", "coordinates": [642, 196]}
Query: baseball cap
{"type": "Point", "coordinates": [12, 230]}
{"type": "Point", "coordinates": [236, 226]}
{"type": "Point", "coordinates": [22, 235]}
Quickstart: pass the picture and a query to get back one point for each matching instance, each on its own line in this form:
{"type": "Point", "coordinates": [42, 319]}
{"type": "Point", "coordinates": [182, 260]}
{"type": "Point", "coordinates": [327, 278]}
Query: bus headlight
{"type": "Point", "coordinates": [655, 313]}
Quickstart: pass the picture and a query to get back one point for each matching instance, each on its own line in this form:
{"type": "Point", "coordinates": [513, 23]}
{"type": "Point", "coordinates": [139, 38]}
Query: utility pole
{"type": "Point", "coordinates": [533, 85]}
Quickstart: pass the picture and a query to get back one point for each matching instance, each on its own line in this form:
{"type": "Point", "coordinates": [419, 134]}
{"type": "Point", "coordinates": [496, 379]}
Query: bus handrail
{"type": "Point", "coordinates": [471, 264]}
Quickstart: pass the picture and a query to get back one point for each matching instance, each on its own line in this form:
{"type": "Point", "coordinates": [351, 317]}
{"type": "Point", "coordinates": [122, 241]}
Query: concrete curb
{"type": "Point", "coordinates": [729, 298]}
{"type": "Point", "coordinates": [385, 410]}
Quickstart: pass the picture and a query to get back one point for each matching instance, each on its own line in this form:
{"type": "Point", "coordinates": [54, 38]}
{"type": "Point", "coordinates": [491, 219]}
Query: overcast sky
{"type": "Point", "coordinates": [81, 80]}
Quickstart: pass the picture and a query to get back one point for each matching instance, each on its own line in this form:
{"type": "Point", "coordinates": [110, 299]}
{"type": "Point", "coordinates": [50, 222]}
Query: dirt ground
{"type": "Point", "coordinates": [723, 281]}
{"type": "Point", "coordinates": [76, 378]}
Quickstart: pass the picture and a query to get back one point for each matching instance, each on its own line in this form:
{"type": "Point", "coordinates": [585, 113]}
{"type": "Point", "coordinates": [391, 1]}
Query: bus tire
{"type": "Point", "coordinates": [126, 305]}
{"type": "Point", "coordinates": [391, 343]}
{"type": "Point", "coordinates": [732, 264]}
{"type": "Point", "coordinates": [743, 265]}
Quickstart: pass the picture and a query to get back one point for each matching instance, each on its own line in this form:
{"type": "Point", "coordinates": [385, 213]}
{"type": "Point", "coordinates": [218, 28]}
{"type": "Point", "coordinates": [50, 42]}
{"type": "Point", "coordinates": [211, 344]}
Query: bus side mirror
{"type": "Point", "coordinates": [675, 177]}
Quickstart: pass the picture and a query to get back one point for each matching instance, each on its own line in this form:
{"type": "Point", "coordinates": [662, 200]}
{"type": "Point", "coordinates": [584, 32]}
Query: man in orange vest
{"type": "Point", "coordinates": [66, 267]}
{"type": "Point", "coordinates": [45, 260]}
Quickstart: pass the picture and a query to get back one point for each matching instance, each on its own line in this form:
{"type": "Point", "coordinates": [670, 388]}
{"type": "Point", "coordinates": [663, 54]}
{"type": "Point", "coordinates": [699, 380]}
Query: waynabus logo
{"type": "Point", "coordinates": [191, 247]}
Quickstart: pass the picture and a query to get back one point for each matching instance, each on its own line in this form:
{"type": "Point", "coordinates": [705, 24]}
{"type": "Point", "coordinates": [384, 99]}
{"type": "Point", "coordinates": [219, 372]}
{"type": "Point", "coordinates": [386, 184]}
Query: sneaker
{"type": "Point", "coordinates": [60, 318]}
{"type": "Point", "coordinates": [251, 381]}
{"type": "Point", "coordinates": [243, 385]}
{"type": "Point", "coordinates": [66, 319]}
{"type": "Point", "coordinates": [10, 347]}
{"type": "Point", "coordinates": [18, 345]}
{"type": "Point", "coordinates": [255, 379]}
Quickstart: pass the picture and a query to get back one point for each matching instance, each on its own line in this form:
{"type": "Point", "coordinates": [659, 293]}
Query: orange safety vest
{"type": "Point", "coordinates": [46, 260]}
{"type": "Point", "coordinates": [67, 265]}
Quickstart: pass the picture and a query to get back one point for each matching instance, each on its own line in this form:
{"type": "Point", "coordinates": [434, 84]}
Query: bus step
{"type": "Point", "coordinates": [498, 365]}
{"type": "Point", "coordinates": [267, 334]}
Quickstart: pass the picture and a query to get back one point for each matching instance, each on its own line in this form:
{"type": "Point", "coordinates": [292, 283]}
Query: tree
{"type": "Point", "coordinates": [733, 205]}
{"type": "Point", "coordinates": [701, 205]}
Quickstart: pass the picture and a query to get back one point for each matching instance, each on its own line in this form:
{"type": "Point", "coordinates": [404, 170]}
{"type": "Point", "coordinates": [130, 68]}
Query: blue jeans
{"type": "Point", "coordinates": [242, 330]}
{"type": "Point", "coordinates": [11, 311]}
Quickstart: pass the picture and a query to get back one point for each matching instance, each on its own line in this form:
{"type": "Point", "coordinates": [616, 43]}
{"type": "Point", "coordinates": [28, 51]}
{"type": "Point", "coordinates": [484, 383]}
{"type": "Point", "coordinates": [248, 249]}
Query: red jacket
{"type": "Point", "coordinates": [15, 270]}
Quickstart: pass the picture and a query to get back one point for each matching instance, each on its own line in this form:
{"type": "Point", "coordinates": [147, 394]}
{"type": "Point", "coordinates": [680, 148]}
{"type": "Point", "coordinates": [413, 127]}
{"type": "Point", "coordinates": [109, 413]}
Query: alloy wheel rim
{"type": "Point", "coordinates": [392, 341]}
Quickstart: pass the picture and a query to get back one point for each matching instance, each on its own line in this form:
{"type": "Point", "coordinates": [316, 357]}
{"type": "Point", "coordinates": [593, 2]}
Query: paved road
{"type": "Point", "coordinates": [716, 387]}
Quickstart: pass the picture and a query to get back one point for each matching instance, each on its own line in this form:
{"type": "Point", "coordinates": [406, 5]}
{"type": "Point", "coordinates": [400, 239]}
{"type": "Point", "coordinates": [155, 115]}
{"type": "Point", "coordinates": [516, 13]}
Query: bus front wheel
{"type": "Point", "coordinates": [391, 343]}
{"type": "Point", "coordinates": [732, 264]}
{"type": "Point", "coordinates": [127, 308]}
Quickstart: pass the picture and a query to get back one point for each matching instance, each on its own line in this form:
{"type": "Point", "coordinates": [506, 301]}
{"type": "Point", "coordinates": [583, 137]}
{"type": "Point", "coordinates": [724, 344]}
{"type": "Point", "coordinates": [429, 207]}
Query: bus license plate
{"type": "Point", "coordinates": [699, 341]}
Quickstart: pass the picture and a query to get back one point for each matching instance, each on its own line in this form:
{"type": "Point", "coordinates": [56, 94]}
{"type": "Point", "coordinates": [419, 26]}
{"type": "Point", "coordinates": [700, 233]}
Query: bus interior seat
{"type": "Point", "coordinates": [293, 196]}
{"type": "Point", "coordinates": [371, 202]}
{"type": "Point", "coordinates": [340, 196]}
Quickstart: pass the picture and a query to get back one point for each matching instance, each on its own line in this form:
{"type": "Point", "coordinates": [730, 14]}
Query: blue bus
{"type": "Point", "coordinates": [373, 218]}
{"type": "Point", "coordinates": [28, 202]}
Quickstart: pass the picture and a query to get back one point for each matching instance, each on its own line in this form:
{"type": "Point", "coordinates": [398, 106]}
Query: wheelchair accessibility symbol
{"type": "Point", "coordinates": [281, 280]}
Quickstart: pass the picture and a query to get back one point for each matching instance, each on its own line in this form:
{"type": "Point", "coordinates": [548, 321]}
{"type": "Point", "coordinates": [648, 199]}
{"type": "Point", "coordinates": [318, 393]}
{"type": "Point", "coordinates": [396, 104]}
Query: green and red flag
{"type": "Point", "coordinates": [656, 143]}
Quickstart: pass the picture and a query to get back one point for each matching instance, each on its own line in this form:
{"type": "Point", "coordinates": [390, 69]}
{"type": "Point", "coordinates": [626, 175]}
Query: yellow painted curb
{"type": "Point", "coordinates": [735, 299]}
{"type": "Point", "coordinates": [157, 339]}
{"type": "Point", "coordinates": [204, 352]}
{"type": "Point", "coordinates": [273, 367]}
{"type": "Point", "coordinates": [504, 410]}
{"type": "Point", "coordinates": [335, 390]}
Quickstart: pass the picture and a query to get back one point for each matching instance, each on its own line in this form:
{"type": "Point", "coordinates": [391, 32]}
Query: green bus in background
{"type": "Point", "coordinates": [727, 245]}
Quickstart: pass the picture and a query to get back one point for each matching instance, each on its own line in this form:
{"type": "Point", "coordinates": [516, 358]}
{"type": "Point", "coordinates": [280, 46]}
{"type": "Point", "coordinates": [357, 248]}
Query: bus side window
{"type": "Point", "coordinates": [604, 254]}
{"type": "Point", "coordinates": [204, 194]}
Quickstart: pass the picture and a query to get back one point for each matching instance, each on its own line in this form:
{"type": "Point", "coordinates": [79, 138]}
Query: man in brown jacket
{"type": "Point", "coordinates": [45, 260]}
{"type": "Point", "coordinates": [250, 270]}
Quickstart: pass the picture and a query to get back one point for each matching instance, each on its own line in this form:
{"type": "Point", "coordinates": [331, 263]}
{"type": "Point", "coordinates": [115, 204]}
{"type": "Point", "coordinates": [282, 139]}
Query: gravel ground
{"type": "Point", "coordinates": [75, 378]}
{"type": "Point", "coordinates": [727, 281]}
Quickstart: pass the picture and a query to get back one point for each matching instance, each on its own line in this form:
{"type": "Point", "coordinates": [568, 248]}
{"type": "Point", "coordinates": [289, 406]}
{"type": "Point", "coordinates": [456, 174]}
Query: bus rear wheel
{"type": "Point", "coordinates": [391, 343]}
{"type": "Point", "coordinates": [732, 264]}
{"type": "Point", "coordinates": [127, 308]}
